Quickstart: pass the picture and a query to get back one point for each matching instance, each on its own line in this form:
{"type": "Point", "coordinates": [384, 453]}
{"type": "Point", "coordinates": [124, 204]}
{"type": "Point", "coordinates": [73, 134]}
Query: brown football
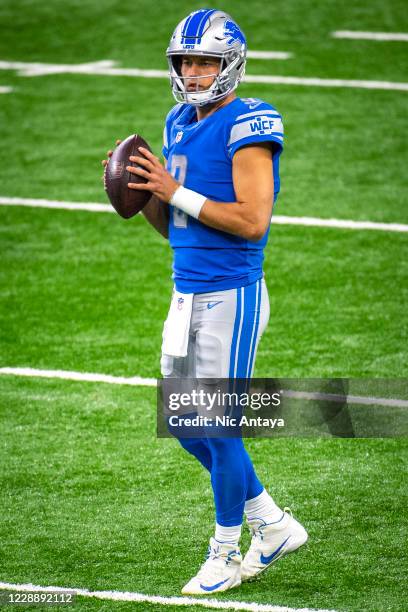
{"type": "Point", "coordinates": [127, 202]}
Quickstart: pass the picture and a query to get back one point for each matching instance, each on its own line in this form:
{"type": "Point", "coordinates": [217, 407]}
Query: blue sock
{"type": "Point", "coordinates": [198, 447]}
{"type": "Point", "coordinates": [254, 485]}
{"type": "Point", "coordinates": [233, 479]}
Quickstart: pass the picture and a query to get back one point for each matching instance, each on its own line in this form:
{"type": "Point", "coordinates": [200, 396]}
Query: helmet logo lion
{"type": "Point", "coordinates": [232, 31]}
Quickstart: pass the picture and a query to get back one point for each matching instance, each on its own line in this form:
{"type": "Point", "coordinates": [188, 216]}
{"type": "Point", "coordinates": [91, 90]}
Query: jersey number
{"type": "Point", "coordinates": [179, 170]}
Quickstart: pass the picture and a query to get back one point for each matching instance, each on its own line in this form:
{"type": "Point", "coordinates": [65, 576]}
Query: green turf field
{"type": "Point", "coordinates": [89, 497]}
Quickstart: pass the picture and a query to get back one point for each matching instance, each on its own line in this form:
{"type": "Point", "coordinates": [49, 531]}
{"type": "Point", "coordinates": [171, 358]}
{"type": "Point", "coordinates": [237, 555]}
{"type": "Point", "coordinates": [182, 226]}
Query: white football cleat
{"type": "Point", "coordinates": [270, 542]}
{"type": "Point", "coordinates": [220, 572]}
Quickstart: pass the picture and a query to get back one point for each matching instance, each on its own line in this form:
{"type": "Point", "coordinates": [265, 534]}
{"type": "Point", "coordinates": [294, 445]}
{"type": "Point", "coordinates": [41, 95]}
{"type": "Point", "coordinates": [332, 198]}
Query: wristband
{"type": "Point", "coordinates": [188, 201]}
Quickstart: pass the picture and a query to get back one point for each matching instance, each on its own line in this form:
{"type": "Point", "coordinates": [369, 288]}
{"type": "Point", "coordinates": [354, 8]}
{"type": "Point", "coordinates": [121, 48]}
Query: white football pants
{"type": "Point", "coordinates": [225, 330]}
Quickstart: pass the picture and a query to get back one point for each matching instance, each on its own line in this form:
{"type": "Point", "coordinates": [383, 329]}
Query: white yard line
{"type": "Point", "coordinates": [157, 599]}
{"type": "Point", "coordinates": [107, 68]}
{"type": "Point", "coordinates": [340, 223]}
{"type": "Point", "coordinates": [5, 90]}
{"type": "Point", "coordinates": [349, 399]}
{"type": "Point", "coordinates": [137, 381]}
{"type": "Point", "coordinates": [134, 381]}
{"type": "Point", "coordinates": [269, 55]}
{"type": "Point", "coordinates": [57, 204]}
{"type": "Point", "coordinates": [277, 219]}
{"type": "Point", "coordinates": [317, 82]}
{"type": "Point", "coordinates": [383, 36]}
{"type": "Point", "coordinates": [40, 69]}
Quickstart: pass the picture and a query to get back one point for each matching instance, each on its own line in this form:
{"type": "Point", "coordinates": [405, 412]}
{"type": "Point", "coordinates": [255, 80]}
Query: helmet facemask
{"type": "Point", "coordinates": [182, 85]}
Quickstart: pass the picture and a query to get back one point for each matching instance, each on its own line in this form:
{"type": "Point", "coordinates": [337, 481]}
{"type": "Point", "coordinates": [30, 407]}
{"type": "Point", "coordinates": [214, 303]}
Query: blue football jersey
{"type": "Point", "coordinates": [199, 155]}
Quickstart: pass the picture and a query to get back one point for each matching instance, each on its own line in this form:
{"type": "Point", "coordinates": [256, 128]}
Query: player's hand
{"type": "Point", "coordinates": [159, 181]}
{"type": "Point", "coordinates": [109, 153]}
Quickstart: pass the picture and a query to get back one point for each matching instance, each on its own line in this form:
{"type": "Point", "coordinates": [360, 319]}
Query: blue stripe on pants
{"type": "Point", "coordinates": [255, 330]}
{"type": "Point", "coordinates": [248, 330]}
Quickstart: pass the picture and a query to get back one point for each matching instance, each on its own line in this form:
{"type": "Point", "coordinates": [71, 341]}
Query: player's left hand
{"type": "Point", "coordinates": [159, 181]}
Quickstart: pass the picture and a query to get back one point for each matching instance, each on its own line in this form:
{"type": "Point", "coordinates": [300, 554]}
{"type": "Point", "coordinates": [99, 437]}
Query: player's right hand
{"type": "Point", "coordinates": [105, 162]}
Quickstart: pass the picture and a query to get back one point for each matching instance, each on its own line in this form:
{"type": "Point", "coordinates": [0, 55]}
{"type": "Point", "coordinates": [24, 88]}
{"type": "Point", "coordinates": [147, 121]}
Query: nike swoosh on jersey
{"type": "Point", "coordinates": [270, 558]}
{"type": "Point", "coordinates": [212, 304]}
{"type": "Point", "coordinates": [214, 586]}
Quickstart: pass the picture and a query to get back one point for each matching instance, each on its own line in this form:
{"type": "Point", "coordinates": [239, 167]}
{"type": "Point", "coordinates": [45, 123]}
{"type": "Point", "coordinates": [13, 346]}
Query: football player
{"type": "Point", "coordinates": [213, 200]}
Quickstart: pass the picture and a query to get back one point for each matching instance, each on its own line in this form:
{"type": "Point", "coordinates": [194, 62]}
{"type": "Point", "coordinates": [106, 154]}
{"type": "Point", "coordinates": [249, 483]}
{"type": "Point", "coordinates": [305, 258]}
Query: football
{"type": "Point", "coordinates": [127, 202]}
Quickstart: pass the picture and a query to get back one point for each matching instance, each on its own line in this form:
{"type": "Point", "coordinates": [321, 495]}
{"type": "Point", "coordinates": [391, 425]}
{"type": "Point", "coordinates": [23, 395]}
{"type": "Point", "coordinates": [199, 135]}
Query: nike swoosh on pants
{"type": "Point", "coordinates": [212, 304]}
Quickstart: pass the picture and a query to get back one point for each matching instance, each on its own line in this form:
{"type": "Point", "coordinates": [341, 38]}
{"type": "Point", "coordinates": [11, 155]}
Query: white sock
{"type": "Point", "coordinates": [229, 535]}
{"type": "Point", "coordinates": [262, 507]}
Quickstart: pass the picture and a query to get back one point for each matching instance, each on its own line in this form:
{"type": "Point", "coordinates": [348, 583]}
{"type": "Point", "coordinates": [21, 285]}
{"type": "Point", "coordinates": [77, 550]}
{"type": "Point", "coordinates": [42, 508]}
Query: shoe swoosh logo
{"type": "Point", "coordinates": [270, 558]}
{"type": "Point", "coordinates": [214, 586]}
{"type": "Point", "coordinates": [212, 304]}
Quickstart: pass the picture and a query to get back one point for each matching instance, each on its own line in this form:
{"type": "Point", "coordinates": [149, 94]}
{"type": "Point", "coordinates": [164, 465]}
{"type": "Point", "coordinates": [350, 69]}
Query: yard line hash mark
{"type": "Point", "coordinates": [277, 219]}
{"type": "Point", "coordinates": [109, 68]}
{"type": "Point", "coordinates": [158, 599]}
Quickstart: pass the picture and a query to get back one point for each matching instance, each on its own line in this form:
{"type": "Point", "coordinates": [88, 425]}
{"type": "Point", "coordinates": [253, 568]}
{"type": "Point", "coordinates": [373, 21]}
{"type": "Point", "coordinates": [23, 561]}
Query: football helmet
{"type": "Point", "coordinates": [213, 33]}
